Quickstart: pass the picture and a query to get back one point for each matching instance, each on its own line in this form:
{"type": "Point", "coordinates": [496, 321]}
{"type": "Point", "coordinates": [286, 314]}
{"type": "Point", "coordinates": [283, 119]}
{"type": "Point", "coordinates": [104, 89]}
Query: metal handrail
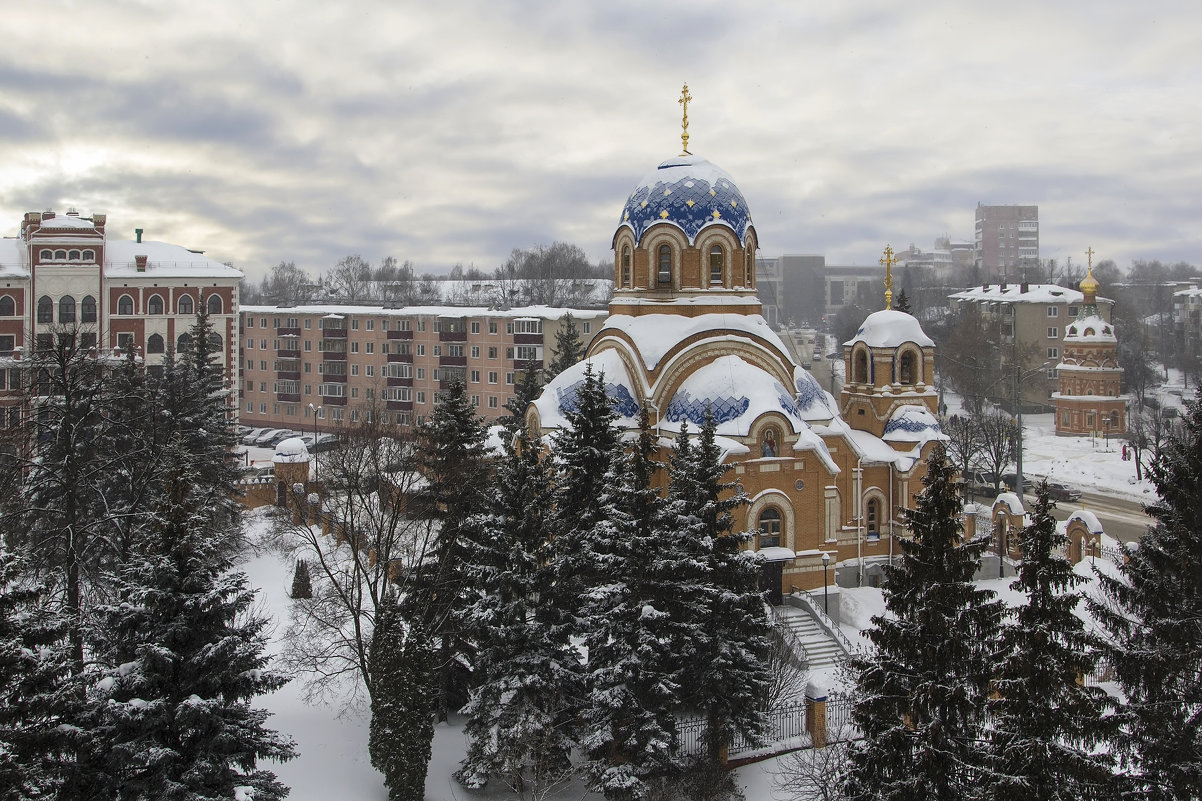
{"type": "Point", "coordinates": [826, 623]}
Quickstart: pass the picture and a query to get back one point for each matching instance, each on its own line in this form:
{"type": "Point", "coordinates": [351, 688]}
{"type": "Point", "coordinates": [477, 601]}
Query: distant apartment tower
{"type": "Point", "coordinates": [1006, 242]}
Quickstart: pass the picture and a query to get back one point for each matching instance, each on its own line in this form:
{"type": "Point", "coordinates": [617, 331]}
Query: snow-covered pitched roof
{"type": "Point", "coordinates": [559, 395]}
{"type": "Point", "coordinates": [343, 310]}
{"type": "Point", "coordinates": [656, 334]}
{"type": "Point", "coordinates": [889, 328]}
{"type": "Point", "coordinates": [1012, 502]}
{"type": "Point", "coordinates": [1013, 293]}
{"type": "Point", "coordinates": [290, 451]}
{"type": "Point", "coordinates": [872, 449]}
{"type": "Point", "coordinates": [1088, 518]}
{"type": "Point", "coordinates": [1090, 329]}
{"type": "Point", "coordinates": [813, 402]}
{"type": "Point", "coordinates": [690, 193]}
{"type": "Point", "coordinates": [162, 259]}
{"type": "Point", "coordinates": [913, 424]}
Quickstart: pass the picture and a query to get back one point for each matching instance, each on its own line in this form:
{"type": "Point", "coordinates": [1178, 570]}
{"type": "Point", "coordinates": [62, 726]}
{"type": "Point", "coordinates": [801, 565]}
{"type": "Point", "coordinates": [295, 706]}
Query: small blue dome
{"type": "Point", "coordinates": [690, 193]}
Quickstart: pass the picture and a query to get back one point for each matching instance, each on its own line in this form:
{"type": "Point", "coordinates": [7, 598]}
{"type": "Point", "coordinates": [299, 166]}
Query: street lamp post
{"type": "Point", "coordinates": [826, 584]}
{"type": "Point", "coordinates": [1019, 378]}
{"type": "Point", "coordinates": [315, 410]}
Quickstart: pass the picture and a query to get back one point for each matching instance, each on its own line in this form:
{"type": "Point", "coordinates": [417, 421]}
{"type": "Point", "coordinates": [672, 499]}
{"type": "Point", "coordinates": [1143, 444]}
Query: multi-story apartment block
{"type": "Point", "coordinates": [63, 275]}
{"type": "Point", "coordinates": [1006, 241]}
{"type": "Point", "coordinates": [1035, 319]}
{"type": "Point", "coordinates": [343, 363]}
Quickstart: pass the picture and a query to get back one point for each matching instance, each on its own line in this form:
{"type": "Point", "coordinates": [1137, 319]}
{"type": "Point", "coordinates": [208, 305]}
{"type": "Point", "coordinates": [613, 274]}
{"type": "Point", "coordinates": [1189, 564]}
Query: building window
{"type": "Point", "coordinates": [664, 257]}
{"type": "Point", "coordinates": [769, 528]}
{"type": "Point", "coordinates": [155, 344]}
{"type": "Point", "coordinates": [492, 401]}
{"type": "Point", "coordinates": [183, 344]}
{"type": "Point", "coordinates": [492, 328]}
{"type": "Point", "coordinates": [475, 326]}
{"type": "Point", "coordinates": [475, 351]}
{"type": "Point", "coordinates": [626, 266]}
{"type": "Point", "coordinates": [906, 368]}
{"type": "Point", "coordinates": [475, 376]}
{"type": "Point", "coordinates": [154, 305]}
{"type": "Point", "coordinates": [1072, 311]}
{"type": "Point", "coordinates": [124, 341]}
{"type": "Point", "coordinates": [492, 376]}
{"type": "Point", "coordinates": [8, 307]}
{"type": "Point", "coordinates": [45, 309]}
{"type": "Point", "coordinates": [186, 306]}
{"type": "Point", "coordinates": [872, 515]}
{"type": "Point", "coordinates": [1053, 353]}
{"type": "Point", "coordinates": [716, 259]}
{"type": "Point", "coordinates": [492, 353]}
{"type": "Point", "coordinates": [1053, 311]}
{"type": "Point", "coordinates": [1053, 333]}
{"type": "Point", "coordinates": [213, 304]}
{"type": "Point", "coordinates": [66, 309]}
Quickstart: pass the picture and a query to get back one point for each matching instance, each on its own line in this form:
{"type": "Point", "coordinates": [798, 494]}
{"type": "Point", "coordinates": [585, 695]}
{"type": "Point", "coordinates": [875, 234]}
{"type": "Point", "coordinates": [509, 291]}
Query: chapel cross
{"type": "Point", "coordinates": [685, 97]}
{"type": "Point", "coordinates": [1089, 255]}
{"type": "Point", "coordinates": [888, 261]}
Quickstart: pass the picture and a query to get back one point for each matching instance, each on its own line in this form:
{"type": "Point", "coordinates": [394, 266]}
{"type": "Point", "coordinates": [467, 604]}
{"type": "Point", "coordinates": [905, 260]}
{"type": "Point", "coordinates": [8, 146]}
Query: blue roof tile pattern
{"type": "Point", "coordinates": [619, 395]}
{"type": "Point", "coordinates": [688, 192]}
{"type": "Point", "coordinates": [684, 406]}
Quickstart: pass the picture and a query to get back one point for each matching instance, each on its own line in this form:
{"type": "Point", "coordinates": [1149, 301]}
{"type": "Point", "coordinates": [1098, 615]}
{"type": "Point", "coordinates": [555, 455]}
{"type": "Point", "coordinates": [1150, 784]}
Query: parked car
{"type": "Point", "coordinates": [281, 435]}
{"type": "Point", "coordinates": [981, 482]}
{"type": "Point", "coordinates": [264, 440]}
{"type": "Point", "coordinates": [1063, 492]}
{"type": "Point", "coordinates": [325, 442]}
{"type": "Point", "coordinates": [250, 436]}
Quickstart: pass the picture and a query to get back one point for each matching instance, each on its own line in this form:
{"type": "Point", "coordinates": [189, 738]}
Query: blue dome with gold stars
{"type": "Point", "coordinates": [691, 193]}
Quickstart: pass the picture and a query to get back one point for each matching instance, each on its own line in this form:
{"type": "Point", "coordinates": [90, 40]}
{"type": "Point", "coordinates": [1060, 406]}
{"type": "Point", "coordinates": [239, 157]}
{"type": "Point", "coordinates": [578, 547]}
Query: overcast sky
{"type": "Point", "coordinates": [454, 131]}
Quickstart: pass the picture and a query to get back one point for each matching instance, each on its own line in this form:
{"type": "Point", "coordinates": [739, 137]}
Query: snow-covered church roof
{"type": "Point", "coordinates": [654, 335]}
{"type": "Point", "coordinates": [889, 328]}
{"type": "Point", "coordinates": [690, 193]}
{"type": "Point", "coordinates": [913, 424]}
{"type": "Point", "coordinates": [559, 395]}
{"type": "Point", "coordinates": [1090, 329]}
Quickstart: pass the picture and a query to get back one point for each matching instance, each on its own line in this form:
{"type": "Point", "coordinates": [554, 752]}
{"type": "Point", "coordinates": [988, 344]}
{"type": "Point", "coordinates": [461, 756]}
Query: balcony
{"type": "Point", "coordinates": [288, 397]}
{"type": "Point", "coordinates": [333, 333]}
{"type": "Point", "coordinates": [406, 334]}
{"type": "Point", "coordinates": [288, 332]}
{"type": "Point", "coordinates": [333, 378]}
{"type": "Point", "coordinates": [288, 353]}
{"type": "Point", "coordinates": [527, 339]}
{"type": "Point", "coordinates": [400, 406]}
{"type": "Point", "coordinates": [403, 358]}
{"type": "Point", "coordinates": [521, 364]}
{"type": "Point", "coordinates": [333, 355]}
{"type": "Point", "coordinates": [400, 382]}
{"type": "Point", "coordinates": [453, 336]}
{"type": "Point", "coordinates": [288, 375]}
{"type": "Point", "coordinates": [452, 361]}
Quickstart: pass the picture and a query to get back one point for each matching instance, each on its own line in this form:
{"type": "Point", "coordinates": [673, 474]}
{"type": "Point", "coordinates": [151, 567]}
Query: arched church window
{"type": "Point", "coordinates": [664, 257]}
{"type": "Point", "coordinates": [8, 306]}
{"type": "Point", "coordinates": [45, 309]}
{"type": "Point", "coordinates": [186, 306]}
{"type": "Point", "coordinates": [716, 260]}
{"type": "Point", "coordinates": [872, 514]}
{"type": "Point", "coordinates": [60, 255]}
{"type": "Point", "coordinates": [860, 367]}
{"type": "Point", "coordinates": [213, 304]}
{"type": "Point", "coordinates": [66, 309]}
{"type": "Point", "coordinates": [906, 368]}
{"type": "Point", "coordinates": [184, 343]}
{"type": "Point", "coordinates": [87, 309]}
{"type": "Point", "coordinates": [154, 305]}
{"type": "Point", "coordinates": [47, 255]}
{"type": "Point", "coordinates": [748, 272]}
{"type": "Point", "coordinates": [125, 305]}
{"type": "Point", "coordinates": [625, 266]}
{"type": "Point", "coordinates": [73, 255]}
{"type": "Point", "coordinates": [768, 444]}
{"type": "Point", "coordinates": [155, 344]}
{"type": "Point", "coordinates": [89, 255]}
{"type": "Point", "coordinates": [769, 527]}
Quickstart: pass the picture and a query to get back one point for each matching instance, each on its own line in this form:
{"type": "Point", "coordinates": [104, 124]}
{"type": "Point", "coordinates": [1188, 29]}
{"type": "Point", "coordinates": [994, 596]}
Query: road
{"type": "Point", "coordinates": [1122, 519]}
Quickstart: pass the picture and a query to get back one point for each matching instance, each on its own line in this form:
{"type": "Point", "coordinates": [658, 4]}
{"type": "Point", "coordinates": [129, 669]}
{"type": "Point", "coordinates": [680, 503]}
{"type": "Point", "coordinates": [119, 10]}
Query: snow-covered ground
{"type": "Point", "coordinates": [333, 760]}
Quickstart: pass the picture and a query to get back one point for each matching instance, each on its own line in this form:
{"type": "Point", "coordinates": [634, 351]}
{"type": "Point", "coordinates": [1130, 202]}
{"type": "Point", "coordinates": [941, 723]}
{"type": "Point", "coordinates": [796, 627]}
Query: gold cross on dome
{"type": "Point", "coordinates": [1089, 255]}
{"type": "Point", "coordinates": [685, 97]}
{"type": "Point", "coordinates": [887, 262]}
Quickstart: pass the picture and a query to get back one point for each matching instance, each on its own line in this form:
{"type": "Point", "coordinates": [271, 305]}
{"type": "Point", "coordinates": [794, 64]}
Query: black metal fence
{"type": "Point", "coordinates": [785, 722]}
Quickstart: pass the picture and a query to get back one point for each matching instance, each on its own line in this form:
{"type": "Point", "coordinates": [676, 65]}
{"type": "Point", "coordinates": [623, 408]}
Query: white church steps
{"type": "Point", "coordinates": [821, 650]}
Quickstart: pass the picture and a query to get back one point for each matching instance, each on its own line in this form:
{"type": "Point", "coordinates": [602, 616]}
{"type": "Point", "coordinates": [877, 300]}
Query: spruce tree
{"type": "Point", "coordinates": [172, 714]}
{"type": "Point", "coordinates": [719, 605]}
{"type": "Point", "coordinates": [402, 705]}
{"type": "Point", "coordinates": [33, 687]}
{"type": "Point", "coordinates": [634, 673]}
{"type": "Point", "coordinates": [568, 348]}
{"type": "Point", "coordinates": [519, 716]}
{"type": "Point", "coordinates": [451, 457]}
{"type": "Point", "coordinates": [923, 686]}
{"type": "Point", "coordinates": [1151, 610]}
{"type": "Point", "coordinates": [302, 582]}
{"type": "Point", "coordinates": [1045, 724]}
{"type": "Point", "coordinates": [902, 304]}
